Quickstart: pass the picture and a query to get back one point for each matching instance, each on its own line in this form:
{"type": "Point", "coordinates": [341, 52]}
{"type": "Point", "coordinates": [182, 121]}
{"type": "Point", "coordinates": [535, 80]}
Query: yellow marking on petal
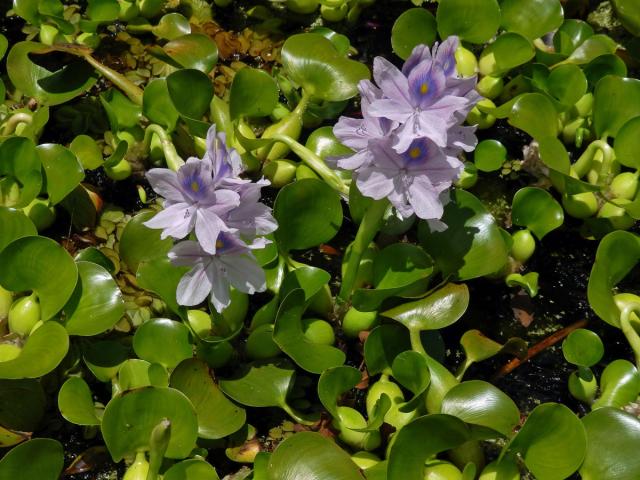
{"type": "Point", "coordinates": [415, 152]}
{"type": "Point", "coordinates": [195, 186]}
{"type": "Point", "coordinates": [424, 88]}
{"type": "Point", "coordinates": [219, 244]}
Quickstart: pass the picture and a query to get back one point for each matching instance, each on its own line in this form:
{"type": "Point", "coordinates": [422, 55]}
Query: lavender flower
{"type": "Point", "coordinates": [225, 164]}
{"type": "Point", "coordinates": [413, 181]}
{"type": "Point", "coordinates": [191, 202]}
{"type": "Point", "coordinates": [212, 275]}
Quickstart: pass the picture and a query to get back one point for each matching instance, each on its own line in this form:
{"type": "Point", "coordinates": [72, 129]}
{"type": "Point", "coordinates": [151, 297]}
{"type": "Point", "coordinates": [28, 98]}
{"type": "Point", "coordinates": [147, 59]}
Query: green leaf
{"type": "Point", "coordinates": [43, 351]}
{"type": "Point", "coordinates": [478, 347]}
{"type": "Point", "coordinates": [310, 279]}
{"type": "Point", "coordinates": [96, 304]}
{"type": "Point", "coordinates": [508, 51]}
{"type": "Point", "coordinates": [157, 105]}
{"type": "Point", "coordinates": [435, 311]}
{"type": "Point", "coordinates": [411, 370]}
{"type": "Point", "coordinates": [161, 277]}
{"type": "Point", "coordinates": [310, 456]}
{"type": "Point", "coordinates": [104, 358]}
{"type": "Point", "coordinates": [103, 10]}
{"type": "Point", "coordinates": [480, 403]}
{"type": "Point", "coordinates": [81, 208]}
{"type": "Point", "coordinates": [608, 64]}
{"type": "Point", "coordinates": [627, 144]}
{"type": "Point", "coordinates": [627, 12]}
{"type": "Point", "coordinates": [528, 281]}
{"type": "Point", "coordinates": [4, 44]}
{"type": "Point", "coordinates": [474, 21]}
{"type": "Point", "coordinates": [567, 84]}
{"type": "Point", "coordinates": [87, 151]}
{"type": "Point", "coordinates": [49, 88]}
{"type": "Point", "coordinates": [128, 421]}
{"type": "Point", "coordinates": [191, 470]}
{"type": "Point", "coordinates": [583, 348]}
{"type": "Point", "coordinates": [39, 458]}
{"type": "Point", "coordinates": [552, 442]}
{"type": "Point", "coordinates": [94, 255]}
{"type": "Point", "coordinates": [531, 18]}
{"type": "Point", "coordinates": [619, 385]}
{"type": "Point", "coordinates": [471, 246]}
{"type": "Point", "coordinates": [592, 47]}
{"type": "Point", "coordinates": [122, 113]}
{"type": "Point", "coordinates": [535, 209]}
{"type": "Point", "coordinates": [489, 155]}
{"type": "Point", "coordinates": [308, 212]}
{"type": "Point", "coordinates": [22, 404]}
{"type": "Point", "coordinates": [75, 402]}
{"type": "Point", "coordinates": [416, 26]}
{"type": "Point", "coordinates": [616, 101]}
{"type": "Point", "coordinates": [191, 92]}
{"type": "Point", "coordinates": [618, 252]}
{"type": "Point", "coordinates": [382, 346]}
{"type": "Point", "coordinates": [421, 439]}
{"type": "Point", "coordinates": [163, 341]}
{"type": "Point", "coordinates": [139, 243]}
{"type": "Point", "coordinates": [217, 415]}
{"type": "Point", "coordinates": [253, 93]}
{"type": "Point", "coordinates": [611, 439]}
{"type": "Point", "coordinates": [333, 383]}
{"type": "Point", "coordinates": [194, 50]}
{"type": "Point", "coordinates": [289, 335]}
{"type": "Point", "coordinates": [312, 61]}
{"type": "Point", "coordinates": [42, 265]}
{"type": "Point", "coordinates": [534, 114]}
{"type": "Point", "coordinates": [261, 384]}
{"type": "Point", "coordinates": [15, 224]}
{"type": "Point", "coordinates": [172, 25]}
{"type": "Point", "coordinates": [571, 34]}
{"type": "Point", "coordinates": [20, 165]}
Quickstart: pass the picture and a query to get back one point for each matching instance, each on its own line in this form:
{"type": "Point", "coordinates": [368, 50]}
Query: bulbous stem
{"type": "Point", "coordinates": [174, 161]}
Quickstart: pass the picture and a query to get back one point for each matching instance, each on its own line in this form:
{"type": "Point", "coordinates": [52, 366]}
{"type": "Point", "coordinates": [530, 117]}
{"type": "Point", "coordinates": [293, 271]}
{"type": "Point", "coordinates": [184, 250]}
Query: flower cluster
{"type": "Point", "coordinates": [207, 197]}
{"type": "Point", "coordinates": [410, 135]}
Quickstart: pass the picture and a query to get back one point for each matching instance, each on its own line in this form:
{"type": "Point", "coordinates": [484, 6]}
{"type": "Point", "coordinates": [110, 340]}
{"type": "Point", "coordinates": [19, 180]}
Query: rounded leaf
{"type": "Point", "coordinates": [22, 404]}
{"type": "Point", "coordinates": [39, 458]}
{"type": "Point", "coordinates": [260, 384]}
{"type": "Point", "coordinates": [139, 243]}
{"type": "Point", "coordinates": [535, 209]}
{"type": "Point", "coordinates": [75, 402]}
{"type": "Point", "coordinates": [616, 101]}
{"type": "Point", "coordinates": [191, 470]}
{"type": "Point", "coordinates": [508, 51]}
{"type": "Point", "coordinates": [163, 341]}
{"type": "Point", "coordinates": [416, 26]}
{"type": "Point", "coordinates": [474, 21]}
{"type": "Point", "coordinates": [627, 144]}
{"type": "Point", "coordinates": [567, 83]}
{"type": "Point", "coordinates": [583, 348]}
{"type": "Point", "coordinates": [254, 93]}
{"type": "Point", "coordinates": [531, 18]}
{"type": "Point", "coordinates": [157, 105]}
{"type": "Point", "coordinates": [195, 50]}
{"type": "Point", "coordinates": [42, 265]}
{"type": "Point", "coordinates": [191, 92]}
{"type": "Point", "coordinates": [15, 224]}
{"type": "Point", "coordinates": [489, 155]}
{"type": "Point", "coordinates": [128, 421]}
{"type": "Point", "coordinates": [534, 114]}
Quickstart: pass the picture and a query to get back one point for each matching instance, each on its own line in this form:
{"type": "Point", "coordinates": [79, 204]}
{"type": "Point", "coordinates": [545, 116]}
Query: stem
{"type": "Point", "coordinates": [630, 332]}
{"type": "Point", "coordinates": [297, 417]}
{"type": "Point", "coordinates": [314, 162]}
{"type": "Point", "coordinates": [174, 162]}
{"type": "Point", "coordinates": [416, 342]}
{"type": "Point", "coordinates": [129, 88]}
{"type": "Point", "coordinates": [367, 231]}
{"type": "Point", "coordinates": [583, 164]}
{"type": "Point", "coordinates": [13, 121]}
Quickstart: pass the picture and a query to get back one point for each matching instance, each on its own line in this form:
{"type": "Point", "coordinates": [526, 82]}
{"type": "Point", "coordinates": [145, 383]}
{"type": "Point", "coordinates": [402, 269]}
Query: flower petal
{"type": "Point", "coordinates": [426, 83]}
{"type": "Point", "coordinates": [176, 220]}
{"type": "Point", "coordinates": [220, 295]}
{"type": "Point", "coordinates": [194, 286]}
{"type": "Point", "coordinates": [165, 183]}
{"type": "Point", "coordinates": [445, 55]}
{"type": "Point", "coordinates": [208, 228]}
{"type": "Point", "coordinates": [391, 81]}
{"type": "Point", "coordinates": [352, 132]}
{"type": "Point", "coordinates": [420, 53]}
{"type": "Point", "coordinates": [424, 199]}
{"type": "Point", "coordinates": [244, 273]}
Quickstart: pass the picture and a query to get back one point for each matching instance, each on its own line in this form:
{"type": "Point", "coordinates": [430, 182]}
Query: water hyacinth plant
{"type": "Point", "coordinates": [319, 240]}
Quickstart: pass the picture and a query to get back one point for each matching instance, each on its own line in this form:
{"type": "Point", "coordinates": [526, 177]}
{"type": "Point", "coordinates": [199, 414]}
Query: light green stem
{"type": "Point", "coordinates": [174, 161]}
{"type": "Point", "coordinates": [296, 416]}
{"type": "Point", "coordinates": [129, 88]}
{"type": "Point", "coordinates": [630, 332]}
{"type": "Point", "coordinates": [416, 342]}
{"type": "Point", "coordinates": [14, 120]}
{"type": "Point", "coordinates": [583, 164]}
{"type": "Point", "coordinates": [369, 227]}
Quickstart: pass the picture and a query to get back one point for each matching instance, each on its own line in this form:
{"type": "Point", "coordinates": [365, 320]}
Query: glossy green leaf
{"type": "Point", "coordinates": [62, 169]}
{"type": "Point", "coordinates": [104, 358]}
{"type": "Point", "coordinates": [121, 111]}
{"type": "Point", "coordinates": [619, 385]}
{"type": "Point", "coordinates": [383, 345]}
{"type": "Point", "coordinates": [163, 341]}
{"type": "Point", "coordinates": [95, 255]}
{"type": "Point", "coordinates": [591, 48]}
{"type": "Point", "coordinates": [616, 101]}
{"type": "Point", "coordinates": [21, 169]}
{"type": "Point", "coordinates": [128, 421]}
{"type": "Point", "coordinates": [571, 34]}
{"type": "Point", "coordinates": [627, 13]}
{"type": "Point", "coordinates": [75, 402]}
{"type": "Point", "coordinates": [416, 26]}
{"type": "Point", "coordinates": [435, 311]}
{"type": "Point", "coordinates": [311, 456]}
{"type": "Point", "coordinates": [310, 279]}
{"type": "Point", "coordinates": [195, 50]}
{"type": "Point", "coordinates": [4, 44]}
{"type": "Point", "coordinates": [324, 143]}
{"type": "Point", "coordinates": [42, 265]}
{"type": "Point", "coordinates": [411, 370]}
{"type": "Point", "coordinates": [421, 439]}
{"type": "Point", "coordinates": [478, 347]}
{"type": "Point", "coordinates": [87, 152]}
{"type": "Point", "coordinates": [96, 304]}
{"type": "Point", "coordinates": [313, 62]}
{"type": "Point", "coordinates": [22, 404]}
{"type": "Point", "coordinates": [333, 383]}
{"type": "Point", "coordinates": [627, 144]}
{"type": "Point", "coordinates": [608, 64]}
{"type": "Point", "coordinates": [15, 224]}
{"type": "Point", "coordinates": [172, 25]}
{"type": "Point", "coordinates": [161, 277]}
{"type": "Point", "coordinates": [217, 415]}
{"type": "Point", "coordinates": [474, 21]}
{"type": "Point", "coordinates": [191, 92]}
{"type": "Point", "coordinates": [49, 88]}
{"type": "Point", "coordinates": [39, 458]}
{"type": "Point", "coordinates": [552, 442]}
{"type": "Point", "coordinates": [611, 439]}
{"type": "Point", "coordinates": [139, 243]}
{"type": "Point", "coordinates": [81, 208]}
{"type": "Point", "coordinates": [192, 469]}
{"type": "Point", "coordinates": [534, 114]}
{"type": "Point", "coordinates": [531, 19]}
{"type": "Point", "coordinates": [157, 105]}
{"type": "Point", "coordinates": [480, 403]}
{"type": "Point", "coordinates": [289, 335]}
{"type": "Point", "coordinates": [528, 281]}
{"type": "Point", "coordinates": [618, 252]}
{"type": "Point", "coordinates": [567, 84]}
{"type": "Point", "coordinates": [254, 93]}
{"type": "Point", "coordinates": [508, 51]}
{"type": "Point", "coordinates": [308, 212]}
{"type": "Point", "coordinates": [134, 374]}
{"type": "Point", "coordinates": [583, 348]}
{"type": "Point", "coordinates": [535, 209]}
{"type": "Point", "coordinates": [260, 384]}
{"type": "Point", "coordinates": [103, 10]}
{"type": "Point", "coordinates": [471, 246]}
{"type": "Point", "coordinates": [489, 155]}
{"type": "Point", "coordinates": [42, 352]}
